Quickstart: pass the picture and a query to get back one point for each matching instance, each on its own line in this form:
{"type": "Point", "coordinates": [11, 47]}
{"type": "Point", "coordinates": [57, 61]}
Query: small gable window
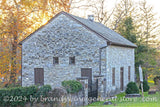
{"type": "Point", "coordinates": [72, 60]}
{"type": "Point", "coordinates": [55, 60]}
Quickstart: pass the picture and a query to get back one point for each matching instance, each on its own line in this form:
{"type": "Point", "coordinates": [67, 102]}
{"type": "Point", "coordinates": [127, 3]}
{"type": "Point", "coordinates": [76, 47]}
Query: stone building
{"type": "Point", "coordinates": [68, 47]}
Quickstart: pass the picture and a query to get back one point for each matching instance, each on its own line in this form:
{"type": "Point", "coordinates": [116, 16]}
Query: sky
{"type": "Point", "coordinates": [111, 3]}
{"type": "Point", "coordinates": [155, 4]}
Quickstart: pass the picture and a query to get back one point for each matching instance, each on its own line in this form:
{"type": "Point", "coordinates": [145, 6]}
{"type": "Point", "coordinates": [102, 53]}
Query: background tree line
{"type": "Point", "coordinates": [134, 21]}
{"type": "Point", "coordinates": [137, 22]}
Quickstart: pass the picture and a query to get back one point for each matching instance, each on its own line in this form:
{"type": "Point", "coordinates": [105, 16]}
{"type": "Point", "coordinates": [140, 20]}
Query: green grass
{"type": "Point", "coordinates": [121, 101]}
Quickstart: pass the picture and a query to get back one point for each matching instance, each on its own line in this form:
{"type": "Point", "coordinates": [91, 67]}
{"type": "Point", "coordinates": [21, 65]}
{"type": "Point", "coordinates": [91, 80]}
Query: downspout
{"type": "Point", "coordinates": [100, 51]}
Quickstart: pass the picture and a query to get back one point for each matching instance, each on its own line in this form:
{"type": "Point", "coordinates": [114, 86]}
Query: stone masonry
{"type": "Point", "coordinates": [119, 57]}
{"type": "Point", "coordinates": [63, 37]}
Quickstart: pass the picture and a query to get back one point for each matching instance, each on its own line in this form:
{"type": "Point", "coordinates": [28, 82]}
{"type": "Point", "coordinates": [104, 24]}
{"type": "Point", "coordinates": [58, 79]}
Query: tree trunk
{"type": "Point", "coordinates": [14, 53]}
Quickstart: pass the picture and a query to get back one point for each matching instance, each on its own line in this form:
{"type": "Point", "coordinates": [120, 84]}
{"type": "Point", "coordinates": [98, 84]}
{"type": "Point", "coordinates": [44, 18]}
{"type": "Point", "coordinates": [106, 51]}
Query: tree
{"type": "Point", "coordinates": [127, 29]}
{"type": "Point", "coordinates": [122, 10]}
{"type": "Point", "coordinates": [148, 26]}
{"type": "Point", "coordinates": [102, 15]}
{"type": "Point", "coordinates": [148, 30]}
{"type": "Point", "coordinates": [20, 18]}
{"type": "Point", "coordinates": [98, 8]}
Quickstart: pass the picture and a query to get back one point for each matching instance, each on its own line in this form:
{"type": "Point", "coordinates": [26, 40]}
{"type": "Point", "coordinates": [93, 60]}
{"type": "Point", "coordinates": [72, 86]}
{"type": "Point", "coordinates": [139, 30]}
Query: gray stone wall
{"type": "Point", "coordinates": [84, 94]}
{"type": "Point", "coordinates": [62, 38]}
{"type": "Point", "coordinates": [119, 57]}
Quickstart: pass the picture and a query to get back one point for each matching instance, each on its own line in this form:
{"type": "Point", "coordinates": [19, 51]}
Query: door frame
{"type": "Point", "coordinates": [39, 72]}
{"type": "Point", "coordinates": [90, 72]}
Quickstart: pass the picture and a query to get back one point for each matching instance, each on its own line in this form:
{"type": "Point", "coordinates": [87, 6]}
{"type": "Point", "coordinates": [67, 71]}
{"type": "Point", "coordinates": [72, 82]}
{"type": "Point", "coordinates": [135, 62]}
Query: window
{"type": "Point", "coordinates": [55, 60]}
{"type": "Point", "coordinates": [129, 73]}
{"type": "Point", "coordinates": [122, 69]}
{"type": "Point", "coordinates": [122, 78]}
{"type": "Point", "coordinates": [72, 60]}
{"type": "Point", "coordinates": [113, 76]}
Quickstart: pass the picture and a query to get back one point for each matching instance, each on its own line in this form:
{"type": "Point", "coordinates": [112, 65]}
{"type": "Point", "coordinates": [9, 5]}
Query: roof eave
{"type": "Point", "coordinates": [123, 45]}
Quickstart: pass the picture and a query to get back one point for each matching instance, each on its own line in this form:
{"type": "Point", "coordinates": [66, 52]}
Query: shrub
{"type": "Point", "coordinates": [145, 86]}
{"type": "Point", "coordinates": [155, 79]}
{"type": "Point", "coordinates": [132, 88]}
{"type": "Point", "coordinates": [42, 91]}
{"type": "Point", "coordinates": [72, 86]}
{"type": "Point", "coordinates": [16, 96]}
{"type": "Point", "coordinates": [19, 96]}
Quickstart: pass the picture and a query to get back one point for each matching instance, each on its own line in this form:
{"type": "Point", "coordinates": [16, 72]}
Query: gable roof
{"type": "Point", "coordinates": [109, 35]}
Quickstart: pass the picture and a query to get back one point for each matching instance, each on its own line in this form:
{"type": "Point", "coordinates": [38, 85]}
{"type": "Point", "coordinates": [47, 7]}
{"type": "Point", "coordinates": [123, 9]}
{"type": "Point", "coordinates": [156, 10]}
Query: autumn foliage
{"type": "Point", "coordinates": [19, 18]}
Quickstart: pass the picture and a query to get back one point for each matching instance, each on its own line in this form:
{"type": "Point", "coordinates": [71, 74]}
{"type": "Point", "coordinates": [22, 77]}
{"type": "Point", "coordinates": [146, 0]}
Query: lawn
{"type": "Point", "coordinates": [121, 101]}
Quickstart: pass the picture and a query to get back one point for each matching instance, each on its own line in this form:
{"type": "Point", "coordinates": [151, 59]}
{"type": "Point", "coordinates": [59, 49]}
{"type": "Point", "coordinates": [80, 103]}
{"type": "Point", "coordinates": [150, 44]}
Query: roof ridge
{"type": "Point", "coordinates": [70, 15]}
{"type": "Point", "coordinates": [95, 27]}
{"type": "Point", "coordinates": [100, 24]}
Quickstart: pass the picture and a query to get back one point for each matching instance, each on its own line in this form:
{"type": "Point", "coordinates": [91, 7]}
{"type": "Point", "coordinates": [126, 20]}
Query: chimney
{"type": "Point", "coordinates": [91, 17]}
